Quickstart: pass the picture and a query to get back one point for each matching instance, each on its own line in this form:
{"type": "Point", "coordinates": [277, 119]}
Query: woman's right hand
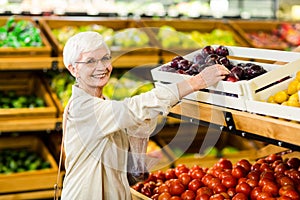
{"type": "Point", "coordinates": [213, 74]}
{"type": "Point", "coordinates": [207, 77]}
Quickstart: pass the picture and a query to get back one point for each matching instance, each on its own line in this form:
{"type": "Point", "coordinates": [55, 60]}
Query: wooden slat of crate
{"type": "Point", "coordinates": [31, 180]}
{"type": "Point", "coordinates": [243, 27]}
{"type": "Point", "coordinates": [44, 50]}
{"type": "Point", "coordinates": [203, 26]}
{"type": "Point", "coordinates": [26, 83]}
{"type": "Point", "coordinates": [48, 24]}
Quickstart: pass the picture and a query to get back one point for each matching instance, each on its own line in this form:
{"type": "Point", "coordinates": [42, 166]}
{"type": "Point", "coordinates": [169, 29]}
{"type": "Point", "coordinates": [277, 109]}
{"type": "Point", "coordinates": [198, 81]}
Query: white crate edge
{"type": "Point", "coordinates": [237, 88]}
{"type": "Point", "coordinates": [257, 105]}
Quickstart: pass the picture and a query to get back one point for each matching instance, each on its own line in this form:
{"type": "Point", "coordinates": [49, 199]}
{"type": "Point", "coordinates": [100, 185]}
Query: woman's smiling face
{"type": "Point", "coordinates": [94, 69]}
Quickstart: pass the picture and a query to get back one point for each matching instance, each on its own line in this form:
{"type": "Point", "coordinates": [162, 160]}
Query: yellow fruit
{"type": "Point", "coordinates": [293, 103]}
{"type": "Point", "coordinates": [292, 88]}
{"type": "Point", "coordinates": [298, 86]}
{"type": "Point", "coordinates": [285, 103]}
{"type": "Point", "coordinates": [280, 97]}
{"type": "Point", "coordinates": [294, 97]}
{"type": "Point", "coordinates": [298, 75]}
{"type": "Point", "coordinates": [271, 99]}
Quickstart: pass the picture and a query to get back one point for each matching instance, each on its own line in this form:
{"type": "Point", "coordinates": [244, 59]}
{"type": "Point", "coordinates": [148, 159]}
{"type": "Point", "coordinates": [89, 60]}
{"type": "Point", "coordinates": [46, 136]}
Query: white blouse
{"type": "Point", "coordinates": [96, 140]}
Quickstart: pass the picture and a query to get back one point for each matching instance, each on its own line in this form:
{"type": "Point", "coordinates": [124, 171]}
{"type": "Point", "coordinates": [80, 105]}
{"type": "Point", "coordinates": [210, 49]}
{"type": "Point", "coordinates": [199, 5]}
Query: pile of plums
{"type": "Point", "coordinates": [272, 178]}
{"type": "Point", "coordinates": [208, 56]}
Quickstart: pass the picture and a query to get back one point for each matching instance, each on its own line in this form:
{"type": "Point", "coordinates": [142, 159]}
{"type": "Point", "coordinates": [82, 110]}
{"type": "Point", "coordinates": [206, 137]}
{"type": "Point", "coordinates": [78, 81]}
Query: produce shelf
{"type": "Point", "coordinates": [14, 52]}
{"type": "Point", "coordinates": [282, 132]}
{"type": "Point", "coordinates": [32, 124]}
{"type": "Point", "coordinates": [26, 181]}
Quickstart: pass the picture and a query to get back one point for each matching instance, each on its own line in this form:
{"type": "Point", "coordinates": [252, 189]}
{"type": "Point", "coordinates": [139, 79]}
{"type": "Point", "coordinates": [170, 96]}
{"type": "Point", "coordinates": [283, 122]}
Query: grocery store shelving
{"type": "Point", "coordinates": [271, 130]}
{"type": "Point", "coordinates": [280, 132]}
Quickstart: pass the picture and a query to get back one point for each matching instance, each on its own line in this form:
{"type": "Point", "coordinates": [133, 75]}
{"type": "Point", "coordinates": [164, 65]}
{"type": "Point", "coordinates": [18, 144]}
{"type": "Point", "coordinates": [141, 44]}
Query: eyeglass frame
{"type": "Point", "coordinates": [95, 62]}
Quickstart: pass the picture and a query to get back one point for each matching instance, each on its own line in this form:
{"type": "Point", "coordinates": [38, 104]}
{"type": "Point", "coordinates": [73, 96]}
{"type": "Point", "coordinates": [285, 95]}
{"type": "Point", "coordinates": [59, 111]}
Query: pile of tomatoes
{"type": "Point", "coordinates": [269, 178]}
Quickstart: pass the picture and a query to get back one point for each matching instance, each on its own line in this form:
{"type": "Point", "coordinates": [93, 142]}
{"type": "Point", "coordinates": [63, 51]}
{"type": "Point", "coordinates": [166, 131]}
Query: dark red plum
{"type": "Point", "coordinates": [222, 51]}
{"type": "Point", "coordinates": [207, 50]}
{"type": "Point", "coordinates": [211, 59]}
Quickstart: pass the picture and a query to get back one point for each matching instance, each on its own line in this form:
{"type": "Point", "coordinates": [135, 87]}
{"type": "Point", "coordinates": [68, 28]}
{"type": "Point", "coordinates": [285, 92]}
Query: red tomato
{"type": "Point", "coordinates": [184, 178]}
{"type": "Point", "coordinates": [229, 181]}
{"type": "Point", "coordinates": [197, 174]}
{"type": "Point", "coordinates": [170, 174]}
{"type": "Point", "coordinates": [202, 197]}
{"type": "Point", "coordinates": [217, 197]}
{"type": "Point", "coordinates": [188, 195]}
{"type": "Point", "coordinates": [271, 188]}
{"type": "Point", "coordinates": [255, 192]}
{"type": "Point", "coordinates": [243, 188]}
{"type": "Point", "coordinates": [194, 185]}
{"type": "Point", "coordinates": [239, 172]}
{"type": "Point", "coordinates": [181, 169]}
{"type": "Point", "coordinates": [163, 188]}
{"type": "Point", "coordinates": [176, 188]}
{"type": "Point", "coordinates": [224, 163]}
{"type": "Point", "coordinates": [219, 188]}
{"type": "Point", "coordinates": [240, 196]}
{"type": "Point", "coordinates": [164, 196]}
{"type": "Point", "coordinates": [204, 190]}
{"type": "Point", "coordinates": [245, 164]}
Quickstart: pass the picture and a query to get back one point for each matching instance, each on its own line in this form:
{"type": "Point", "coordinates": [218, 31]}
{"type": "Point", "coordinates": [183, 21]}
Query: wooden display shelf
{"type": "Point", "coordinates": [33, 124]}
{"type": "Point", "coordinates": [31, 63]}
{"type": "Point", "coordinates": [279, 130]}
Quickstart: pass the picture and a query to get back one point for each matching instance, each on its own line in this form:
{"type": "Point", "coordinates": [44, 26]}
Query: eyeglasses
{"type": "Point", "coordinates": [106, 60]}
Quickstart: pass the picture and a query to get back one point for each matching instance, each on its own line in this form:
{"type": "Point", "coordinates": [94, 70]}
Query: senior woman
{"type": "Point", "coordinates": [97, 129]}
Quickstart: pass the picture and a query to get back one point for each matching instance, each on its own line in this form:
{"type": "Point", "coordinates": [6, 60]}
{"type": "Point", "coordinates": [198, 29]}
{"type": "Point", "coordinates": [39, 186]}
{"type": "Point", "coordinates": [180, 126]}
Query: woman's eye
{"type": "Point", "coordinates": [105, 58]}
{"type": "Point", "coordinates": [90, 61]}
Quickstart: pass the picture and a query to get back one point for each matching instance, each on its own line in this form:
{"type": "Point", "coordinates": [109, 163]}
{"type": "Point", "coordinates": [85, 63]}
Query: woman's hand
{"type": "Point", "coordinates": [207, 77]}
{"type": "Point", "coordinates": [212, 74]}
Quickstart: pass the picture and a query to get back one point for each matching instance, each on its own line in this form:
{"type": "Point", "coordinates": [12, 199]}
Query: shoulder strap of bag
{"type": "Point", "coordinates": [56, 186]}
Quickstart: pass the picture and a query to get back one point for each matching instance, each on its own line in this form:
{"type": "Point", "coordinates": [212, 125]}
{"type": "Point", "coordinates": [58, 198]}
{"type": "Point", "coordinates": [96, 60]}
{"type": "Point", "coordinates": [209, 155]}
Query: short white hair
{"type": "Point", "coordinates": [80, 43]}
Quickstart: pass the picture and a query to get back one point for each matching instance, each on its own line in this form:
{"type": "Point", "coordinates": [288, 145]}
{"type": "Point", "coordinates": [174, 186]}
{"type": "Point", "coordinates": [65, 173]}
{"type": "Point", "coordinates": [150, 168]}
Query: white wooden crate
{"type": "Point", "coordinates": [225, 93]}
{"type": "Point", "coordinates": [256, 102]}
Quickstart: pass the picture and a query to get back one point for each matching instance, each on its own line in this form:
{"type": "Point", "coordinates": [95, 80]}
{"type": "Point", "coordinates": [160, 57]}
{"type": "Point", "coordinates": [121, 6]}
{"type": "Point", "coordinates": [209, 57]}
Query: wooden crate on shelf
{"type": "Point", "coordinates": [118, 52]}
{"type": "Point", "coordinates": [188, 26]}
{"type": "Point", "coordinates": [43, 51]}
{"type": "Point", "coordinates": [266, 27]}
{"type": "Point", "coordinates": [26, 83]}
{"type": "Point", "coordinates": [259, 94]}
{"type": "Point", "coordinates": [28, 181]}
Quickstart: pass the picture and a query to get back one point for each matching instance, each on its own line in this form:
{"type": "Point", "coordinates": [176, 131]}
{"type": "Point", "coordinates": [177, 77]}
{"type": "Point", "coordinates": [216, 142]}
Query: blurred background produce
{"type": "Point", "coordinates": [20, 33]}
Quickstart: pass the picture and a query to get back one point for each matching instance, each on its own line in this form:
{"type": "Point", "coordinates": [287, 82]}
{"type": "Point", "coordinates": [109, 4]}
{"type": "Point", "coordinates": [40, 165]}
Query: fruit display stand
{"type": "Point", "coordinates": [263, 33]}
{"type": "Point", "coordinates": [183, 31]}
{"type": "Point", "coordinates": [34, 184]}
{"type": "Point", "coordinates": [226, 93]}
{"type": "Point", "coordinates": [128, 55]}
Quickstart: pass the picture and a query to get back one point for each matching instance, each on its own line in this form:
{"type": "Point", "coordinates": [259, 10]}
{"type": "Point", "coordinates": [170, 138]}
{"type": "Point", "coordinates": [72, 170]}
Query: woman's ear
{"type": "Point", "coordinates": [72, 70]}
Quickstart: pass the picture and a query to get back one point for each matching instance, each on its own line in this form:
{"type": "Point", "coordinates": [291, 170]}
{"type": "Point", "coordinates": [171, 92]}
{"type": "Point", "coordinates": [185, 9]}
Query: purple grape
{"type": "Point", "coordinates": [194, 69]}
{"type": "Point", "coordinates": [184, 64]}
{"type": "Point", "coordinates": [238, 71]}
{"type": "Point", "coordinates": [174, 64]}
{"type": "Point", "coordinates": [199, 59]}
{"type": "Point", "coordinates": [211, 59]}
{"type": "Point", "coordinates": [207, 50]}
{"type": "Point", "coordinates": [222, 60]}
{"type": "Point", "coordinates": [254, 71]}
{"type": "Point", "coordinates": [177, 58]}
{"type": "Point", "coordinates": [222, 51]}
